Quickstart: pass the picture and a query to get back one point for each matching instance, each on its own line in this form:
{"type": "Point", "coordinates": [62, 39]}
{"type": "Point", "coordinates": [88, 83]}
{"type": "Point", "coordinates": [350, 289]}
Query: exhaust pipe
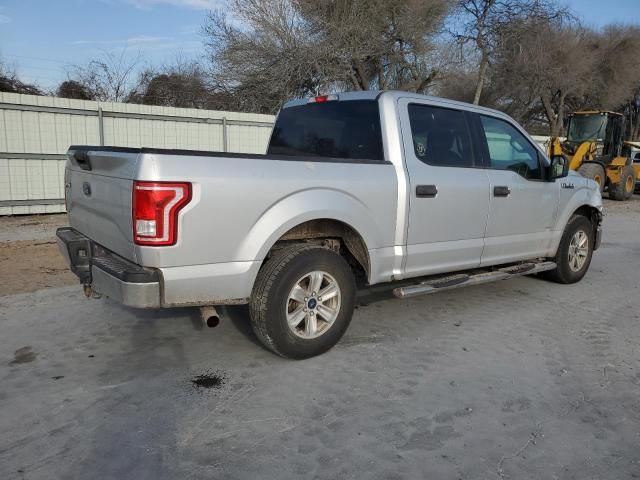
{"type": "Point", "coordinates": [209, 316]}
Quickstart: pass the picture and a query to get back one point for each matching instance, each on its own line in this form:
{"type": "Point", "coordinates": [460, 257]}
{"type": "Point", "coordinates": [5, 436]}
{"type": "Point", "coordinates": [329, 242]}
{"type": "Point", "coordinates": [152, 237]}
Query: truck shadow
{"type": "Point", "coordinates": [134, 416]}
{"type": "Point", "coordinates": [239, 317]}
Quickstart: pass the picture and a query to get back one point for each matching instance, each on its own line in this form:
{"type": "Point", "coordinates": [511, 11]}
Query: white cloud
{"type": "Point", "coordinates": [190, 29]}
{"type": "Point", "coordinates": [144, 40]}
{"type": "Point", "coordinates": [142, 43]}
{"type": "Point", "coordinates": [4, 19]}
{"type": "Point", "coordinates": [131, 42]}
{"type": "Point", "coordinates": [194, 4]}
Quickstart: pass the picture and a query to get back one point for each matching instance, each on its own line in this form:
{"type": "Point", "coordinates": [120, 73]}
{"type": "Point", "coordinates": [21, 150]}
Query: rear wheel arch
{"type": "Point", "coordinates": [302, 301]}
{"type": "Point", "coordinates": [325, 231]}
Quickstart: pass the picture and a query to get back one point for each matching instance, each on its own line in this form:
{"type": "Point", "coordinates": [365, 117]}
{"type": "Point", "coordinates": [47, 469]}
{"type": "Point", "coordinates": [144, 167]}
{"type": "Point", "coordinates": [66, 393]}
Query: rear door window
{"type": "Point", "coordinates": [440, 136]}
{"type": "Point", "coordinates": [336, 129]}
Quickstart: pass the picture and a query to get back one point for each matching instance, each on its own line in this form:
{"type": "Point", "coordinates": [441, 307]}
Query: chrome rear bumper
{"type": "Point", "coordinates": [107, 273]}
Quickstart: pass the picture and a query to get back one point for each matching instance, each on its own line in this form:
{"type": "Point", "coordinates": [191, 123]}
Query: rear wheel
{"type": "Point", "coordinates": [595, 172]}
{"type": "Point", "coordinates": [302, 301]}
{"type": "Point", "coordinates": [624, 189]}
{"type": "Point", "coordinates": [574, 253]}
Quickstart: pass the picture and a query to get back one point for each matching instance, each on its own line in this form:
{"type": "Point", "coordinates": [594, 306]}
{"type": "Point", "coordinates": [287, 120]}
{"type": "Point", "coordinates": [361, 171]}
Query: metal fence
{"type": "Point", "coordinates": [35, 133]}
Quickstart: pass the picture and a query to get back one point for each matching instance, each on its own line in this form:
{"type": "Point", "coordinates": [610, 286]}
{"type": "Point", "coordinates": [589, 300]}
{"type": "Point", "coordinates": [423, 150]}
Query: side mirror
{"type": "Point", "coordinates": [559, 167]}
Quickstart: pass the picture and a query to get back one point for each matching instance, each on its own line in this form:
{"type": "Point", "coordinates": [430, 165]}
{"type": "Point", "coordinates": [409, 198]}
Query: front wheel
{"type": "Point", "coordinates": [302, 301]}
{"type": "Point", "coordinates": [575, 251]}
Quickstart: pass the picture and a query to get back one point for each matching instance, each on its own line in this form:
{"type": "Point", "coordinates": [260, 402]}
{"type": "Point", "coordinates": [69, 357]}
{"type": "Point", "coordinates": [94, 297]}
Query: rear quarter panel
{"type": "Point", "coordinates": [241, 206]}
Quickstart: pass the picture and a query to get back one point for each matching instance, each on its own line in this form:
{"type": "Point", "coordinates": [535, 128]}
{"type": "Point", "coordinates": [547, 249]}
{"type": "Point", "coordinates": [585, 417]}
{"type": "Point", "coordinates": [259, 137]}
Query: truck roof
{"type": "Point", "coordinates": [596, 112]}
{"type": "Point", "coordinates": [375, 94]}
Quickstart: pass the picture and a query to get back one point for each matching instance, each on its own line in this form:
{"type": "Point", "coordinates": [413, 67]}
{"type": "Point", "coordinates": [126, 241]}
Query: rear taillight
{"type": "Point", "coordinates": [155, 211]}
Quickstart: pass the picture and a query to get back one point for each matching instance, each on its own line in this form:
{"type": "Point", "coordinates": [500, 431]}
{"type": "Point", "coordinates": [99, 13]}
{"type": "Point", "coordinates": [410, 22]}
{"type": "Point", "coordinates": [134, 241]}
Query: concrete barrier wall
{"type": "Point", "coordinates": [35, 133]}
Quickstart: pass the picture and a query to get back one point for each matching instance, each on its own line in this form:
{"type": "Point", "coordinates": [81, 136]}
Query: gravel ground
{"type": "Point", "coordinates": [29, 258]}
{"type": "Point", "coordinates": [514, 380]}
{"type": "Point", "coordinates": [30, 227]}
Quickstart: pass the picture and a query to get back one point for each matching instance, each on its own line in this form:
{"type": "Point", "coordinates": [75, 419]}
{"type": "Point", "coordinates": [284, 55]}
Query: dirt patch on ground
{"type": "Point", "coordinates": [29, 256]}
{"type": "Point", "coordinates": [31, 227]}
{"type": "Point", "coordinates": [631, 205]}
{"type": "Point", "coordinates": [28, 265]}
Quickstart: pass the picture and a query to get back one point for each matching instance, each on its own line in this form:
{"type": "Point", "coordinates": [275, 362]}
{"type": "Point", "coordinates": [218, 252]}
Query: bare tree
{"type": "Point", "coordinates": [109, 78]}
{"type": "Point", "coordinates": [10, 82]}
{"type": "Point", "coordinates": [264, 57]}
{"type": "Point", "coordinates": [183, 84]}
{"type": "Point", "coordinates": [616, 85]}
{"type": "Point", "coordinates": [293, 48]}
{"type": "Point", "coordinates": [74, 89]}
{"type": "Point", "coordinates": [545, 64]}
{"type": "Point", "coordinates": [543, 69]}
{"type": "Point", "coordinates": [378, 43]}
{"type": "Point", "coordinates": [616, 49]}
{"type": "Point", "coordinates": [482, 22]}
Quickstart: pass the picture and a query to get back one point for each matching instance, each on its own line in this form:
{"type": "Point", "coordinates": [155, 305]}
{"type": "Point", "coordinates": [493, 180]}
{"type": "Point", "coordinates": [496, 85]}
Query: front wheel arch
{"type": "Point", "coordinates": [564, 272]}
{"type": "Point", "coordinates": [590, 213]}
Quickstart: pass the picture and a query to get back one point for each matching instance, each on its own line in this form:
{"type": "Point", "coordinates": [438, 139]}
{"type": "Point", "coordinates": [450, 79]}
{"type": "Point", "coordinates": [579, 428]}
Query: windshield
{"type": "Point", "coordinates": [583, 128]}
{"type": "Point", "coordinates": [347, 129]}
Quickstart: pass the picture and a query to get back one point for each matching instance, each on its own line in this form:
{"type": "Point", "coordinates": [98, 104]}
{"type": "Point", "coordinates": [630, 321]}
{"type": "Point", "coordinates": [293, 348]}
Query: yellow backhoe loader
{"type": "Point", "coordinates": [596, 149]}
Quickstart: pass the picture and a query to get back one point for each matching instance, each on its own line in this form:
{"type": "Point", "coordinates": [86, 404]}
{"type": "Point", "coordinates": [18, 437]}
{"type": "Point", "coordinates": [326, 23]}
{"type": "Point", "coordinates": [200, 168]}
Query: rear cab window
{"type": "Point", "coordinates": [334, 129]}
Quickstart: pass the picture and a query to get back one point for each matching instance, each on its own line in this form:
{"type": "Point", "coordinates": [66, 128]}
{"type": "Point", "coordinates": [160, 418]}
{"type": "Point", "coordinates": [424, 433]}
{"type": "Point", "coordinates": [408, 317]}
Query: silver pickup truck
{"type": "Point", "coordinates": [356, 189]}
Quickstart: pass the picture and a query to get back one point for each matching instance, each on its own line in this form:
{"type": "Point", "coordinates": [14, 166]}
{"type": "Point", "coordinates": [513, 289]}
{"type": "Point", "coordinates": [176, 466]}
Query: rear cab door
{"type": "Point", "coordinates": [523, 205]}
{"type": "Point", "coordinates": [448, 188]}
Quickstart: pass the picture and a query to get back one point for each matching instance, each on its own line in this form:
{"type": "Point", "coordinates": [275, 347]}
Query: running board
{"type": "Point", "coordinates": [464, 280]}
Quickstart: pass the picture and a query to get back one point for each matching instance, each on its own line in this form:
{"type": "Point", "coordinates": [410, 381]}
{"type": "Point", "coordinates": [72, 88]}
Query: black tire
{"type": "Point", "coordinates": [595, 172]}
{"type": "Point", "coordinates": [624, 189]}
{"type": "Point", "coordinates": [564, 273]}
{"type": "Point", "coordinates": [270, 299]}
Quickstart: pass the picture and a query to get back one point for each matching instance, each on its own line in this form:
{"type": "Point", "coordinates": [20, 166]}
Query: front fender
{"type": "Point", "coordinates": [586, 193]}
{"type": "Point", "coordinates": [306, 205]}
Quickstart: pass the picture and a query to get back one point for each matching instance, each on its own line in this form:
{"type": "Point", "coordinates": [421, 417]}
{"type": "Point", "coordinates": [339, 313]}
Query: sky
{"type": "Point", "coordinates": [44, 38]}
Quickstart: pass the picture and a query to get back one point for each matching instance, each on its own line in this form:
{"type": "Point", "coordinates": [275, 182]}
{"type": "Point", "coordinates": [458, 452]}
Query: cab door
{"type": "Point", "coordinates": [523, 205]}
{"type": "Point", "coordinates": [449, 189]}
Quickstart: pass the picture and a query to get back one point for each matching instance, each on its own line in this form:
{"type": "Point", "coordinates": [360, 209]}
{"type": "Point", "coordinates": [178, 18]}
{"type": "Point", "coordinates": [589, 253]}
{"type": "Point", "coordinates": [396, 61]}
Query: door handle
{"type": "Point", "coordinates": [426, 191]}
{"type": "Point", "coordinates": [501, 191]}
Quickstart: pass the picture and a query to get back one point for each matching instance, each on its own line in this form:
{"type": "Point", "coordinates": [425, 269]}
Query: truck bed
{"type": "Point", "coordinates": [241, 203]}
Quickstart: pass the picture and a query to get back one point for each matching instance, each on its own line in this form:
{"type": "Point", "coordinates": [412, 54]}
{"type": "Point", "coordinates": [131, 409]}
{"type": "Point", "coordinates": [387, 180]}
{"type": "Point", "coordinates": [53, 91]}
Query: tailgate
{"type": "Point", "coordinates": [98, 186]}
